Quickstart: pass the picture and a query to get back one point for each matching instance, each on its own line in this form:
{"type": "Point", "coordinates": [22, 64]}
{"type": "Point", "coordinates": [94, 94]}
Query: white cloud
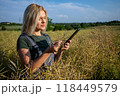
{"type": "Point", "coordinates": [59, 12]}
{"type": "Point", "coordinates": [62, 16]}
{"type": "Point", "coordinates": [76, 12]}
{"type": "Point", "coordinates": [79, 13]}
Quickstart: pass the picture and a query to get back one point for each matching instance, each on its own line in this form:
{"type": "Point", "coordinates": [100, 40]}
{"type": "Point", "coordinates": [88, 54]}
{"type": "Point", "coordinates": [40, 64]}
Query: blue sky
{"type": "Point", "coordinates": [63, 11]}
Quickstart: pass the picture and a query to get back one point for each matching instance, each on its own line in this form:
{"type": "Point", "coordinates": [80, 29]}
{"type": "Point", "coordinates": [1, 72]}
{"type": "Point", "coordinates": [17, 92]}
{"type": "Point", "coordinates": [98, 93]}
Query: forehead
{"type": "Point", "coordinates": [42, 13]}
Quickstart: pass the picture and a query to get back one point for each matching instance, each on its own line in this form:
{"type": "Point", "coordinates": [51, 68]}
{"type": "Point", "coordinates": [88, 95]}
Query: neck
{"type": "Point", "coordinates": [38, 33]}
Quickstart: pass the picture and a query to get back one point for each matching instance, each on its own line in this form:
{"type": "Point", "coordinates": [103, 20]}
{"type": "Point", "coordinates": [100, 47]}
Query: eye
{"type": "Point", "coordinates": [40, 18]}
{"type": "Point", "coordinates": [45, 17]}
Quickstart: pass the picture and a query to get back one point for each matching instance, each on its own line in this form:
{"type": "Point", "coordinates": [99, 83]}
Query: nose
{"type": "Point", "coordinates": [43, 20]}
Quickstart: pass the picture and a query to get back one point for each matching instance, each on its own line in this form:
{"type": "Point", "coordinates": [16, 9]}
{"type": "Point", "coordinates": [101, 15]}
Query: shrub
{"type": "Point", "coordinates": [3, 28]}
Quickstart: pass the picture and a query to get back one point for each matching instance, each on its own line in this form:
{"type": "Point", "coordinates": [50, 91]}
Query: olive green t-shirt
{"type": "Point", "coordinates": [41, 41]}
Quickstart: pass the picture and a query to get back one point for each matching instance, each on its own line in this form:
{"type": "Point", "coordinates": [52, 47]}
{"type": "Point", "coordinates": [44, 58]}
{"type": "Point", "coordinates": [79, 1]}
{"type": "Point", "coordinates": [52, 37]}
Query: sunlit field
{"type": "Point", "coordinates": [94, 54]}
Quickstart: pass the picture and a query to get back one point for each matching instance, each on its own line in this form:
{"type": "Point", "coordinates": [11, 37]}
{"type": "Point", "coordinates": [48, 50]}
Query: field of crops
{"type": "Point", "coordinates": [94, 54]}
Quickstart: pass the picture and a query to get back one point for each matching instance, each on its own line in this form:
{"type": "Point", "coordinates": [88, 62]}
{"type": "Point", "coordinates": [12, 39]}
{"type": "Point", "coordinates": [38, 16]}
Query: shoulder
{"type": "Point", "coordinates": [21, 38]}
{"type": "Point", "coordinates": [22, 42]}
{"type": "Point", "coordinates": [48, 37]}
{"type": "Point", "coordinates": [45, 34]}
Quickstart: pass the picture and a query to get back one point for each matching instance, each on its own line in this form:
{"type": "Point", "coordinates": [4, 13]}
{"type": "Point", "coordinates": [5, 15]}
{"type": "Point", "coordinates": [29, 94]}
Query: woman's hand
{"type": "Point", "coordinates": [65, 46]}
{"type": "Point", "coordinates": [54, 47]}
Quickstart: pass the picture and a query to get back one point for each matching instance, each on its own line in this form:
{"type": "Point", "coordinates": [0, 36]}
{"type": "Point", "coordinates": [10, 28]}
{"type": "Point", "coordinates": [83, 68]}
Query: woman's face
{"type": "Point", "coordinates": [41, 25]}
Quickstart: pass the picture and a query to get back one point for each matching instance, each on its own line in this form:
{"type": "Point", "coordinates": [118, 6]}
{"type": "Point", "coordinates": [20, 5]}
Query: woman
{"type": "Point", "coordinates": [34, 24]}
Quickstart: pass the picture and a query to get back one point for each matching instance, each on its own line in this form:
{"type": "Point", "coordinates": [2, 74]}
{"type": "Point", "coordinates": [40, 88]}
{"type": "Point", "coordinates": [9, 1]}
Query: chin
{"type": "Point", "coordinates": [42, 29]}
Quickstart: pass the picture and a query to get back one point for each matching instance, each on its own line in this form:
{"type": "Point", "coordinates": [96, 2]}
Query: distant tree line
{"type": "Point", "coordinates": [69, 26]}
{"type": "Point", "coordinates": [12, 26]}
{"type": "Point", "coordinates": [62, 26]}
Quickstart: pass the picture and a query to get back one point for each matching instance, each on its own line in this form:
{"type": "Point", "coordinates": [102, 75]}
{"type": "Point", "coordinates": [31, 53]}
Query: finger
{"type": "Point", "coordinates": [69, 41]}
{"type": "Point", "coordinates": [66, 46]}
{"type": "Point", "coordinates": [57, 43]}
{"type": "Point", "coordinates": [66, 43]}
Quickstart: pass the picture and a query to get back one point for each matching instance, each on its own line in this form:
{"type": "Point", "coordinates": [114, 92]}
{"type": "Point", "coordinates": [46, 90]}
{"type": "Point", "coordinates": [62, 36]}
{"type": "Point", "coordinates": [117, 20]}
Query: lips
{"type": "Point", "coordinates": [43, 25]}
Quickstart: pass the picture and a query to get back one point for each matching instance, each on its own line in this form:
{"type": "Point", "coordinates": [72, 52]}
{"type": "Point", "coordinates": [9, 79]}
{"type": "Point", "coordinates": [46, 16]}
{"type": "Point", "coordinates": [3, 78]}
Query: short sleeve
{"type": "Point", "coordinates": [22, 43]}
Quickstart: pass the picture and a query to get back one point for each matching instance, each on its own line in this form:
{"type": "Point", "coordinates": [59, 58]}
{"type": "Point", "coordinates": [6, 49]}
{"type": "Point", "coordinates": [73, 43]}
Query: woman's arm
{"type": "Point", "coordinates": [25, 56]}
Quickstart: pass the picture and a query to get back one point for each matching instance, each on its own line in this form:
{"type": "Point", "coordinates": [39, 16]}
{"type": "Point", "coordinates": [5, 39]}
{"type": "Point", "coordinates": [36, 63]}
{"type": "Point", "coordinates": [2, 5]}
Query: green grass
{"type": "Point", "coordinates": [94, 54]}
{"type": "Point", "coordinates": [12, 27]}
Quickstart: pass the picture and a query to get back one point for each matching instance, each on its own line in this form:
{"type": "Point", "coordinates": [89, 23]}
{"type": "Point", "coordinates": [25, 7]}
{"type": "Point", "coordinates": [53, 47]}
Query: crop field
{"type": "Point", "coordinates": [94, 54]}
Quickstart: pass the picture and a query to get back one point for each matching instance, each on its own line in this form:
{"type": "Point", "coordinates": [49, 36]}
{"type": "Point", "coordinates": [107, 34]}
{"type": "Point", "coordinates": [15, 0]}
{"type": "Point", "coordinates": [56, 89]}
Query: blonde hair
{"type": "Point", "coordinates": [31, 17]}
